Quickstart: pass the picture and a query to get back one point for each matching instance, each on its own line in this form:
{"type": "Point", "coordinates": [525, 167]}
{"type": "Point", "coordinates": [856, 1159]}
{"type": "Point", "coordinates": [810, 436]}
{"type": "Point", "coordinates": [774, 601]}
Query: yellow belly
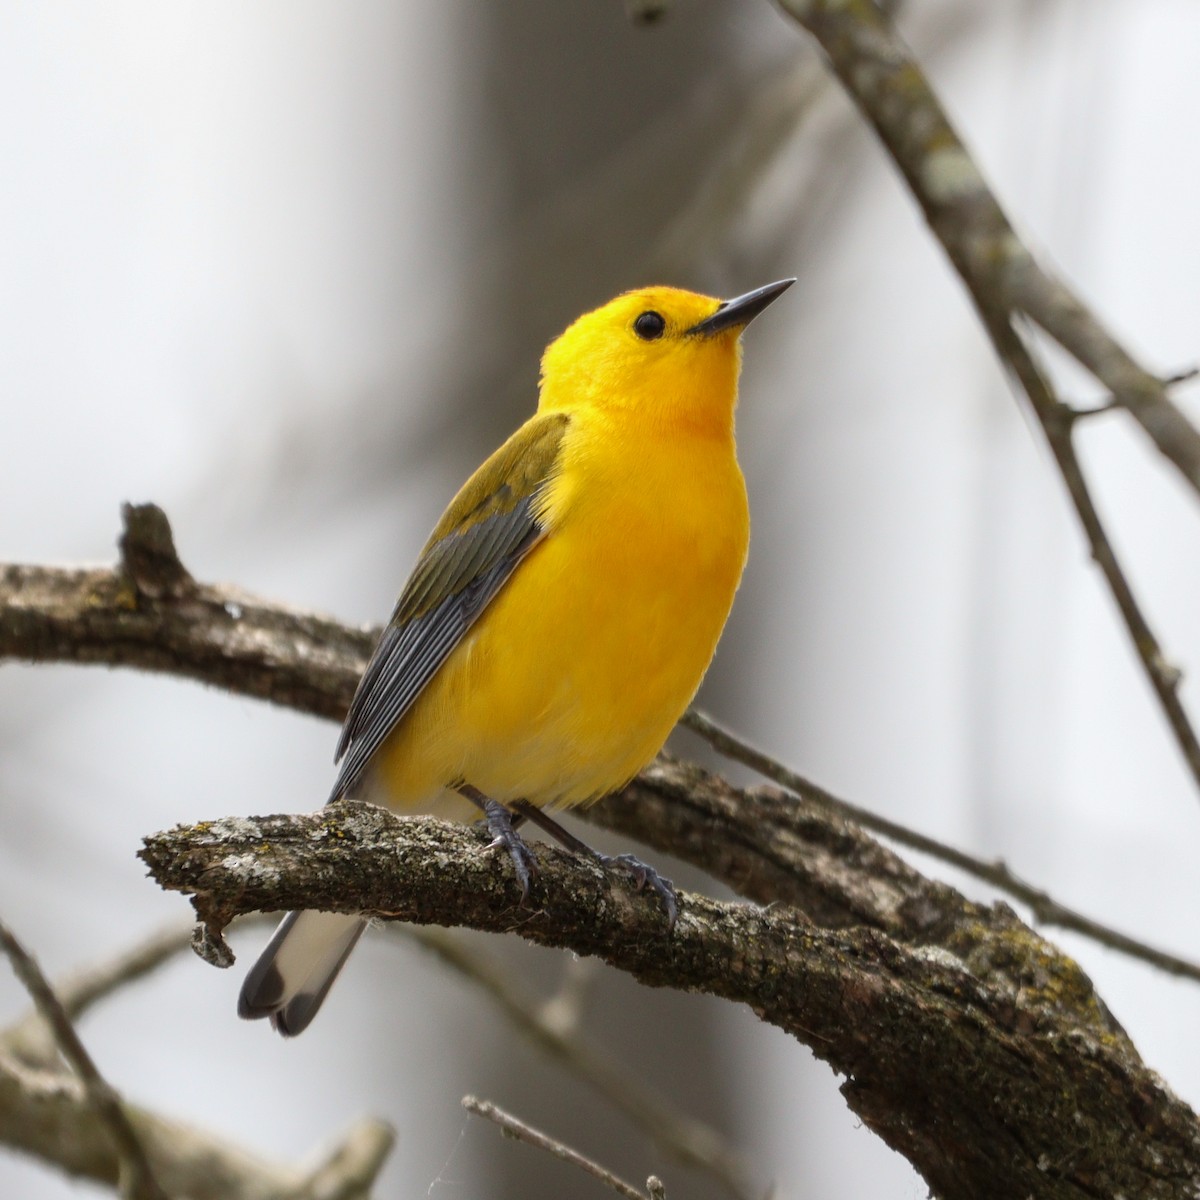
{"type": "Point", "coordinates": [571, 680]}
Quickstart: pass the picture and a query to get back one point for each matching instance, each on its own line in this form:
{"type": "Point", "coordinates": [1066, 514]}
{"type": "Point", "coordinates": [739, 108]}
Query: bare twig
{"type": "Point", "coordinates": [31, 1039]}
{"type": "Point", "coordinates": [1186, 375]}
{"type": "Point", "coordinates": [515, 1128]}
{"type": "Point", "coordinates": [1044, 907]}
{"type": "Point", "coordinates": [48, 1113]}
{"type": "Point", "coordinates": [80, 991]}
{"type": "Point", "coordinates": [1056, 421]}
{"type": "Point", "coordinates": [881, 76]}
{"type": "Point", "coordinates": [688, 1140]}
{"type": "Point", "coordinates": [137, 1179]}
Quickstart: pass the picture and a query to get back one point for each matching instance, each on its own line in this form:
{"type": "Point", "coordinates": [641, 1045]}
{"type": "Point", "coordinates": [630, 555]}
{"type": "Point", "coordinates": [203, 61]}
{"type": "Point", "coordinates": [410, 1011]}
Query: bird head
{"type": "Point", "coordinates": [657, 353]}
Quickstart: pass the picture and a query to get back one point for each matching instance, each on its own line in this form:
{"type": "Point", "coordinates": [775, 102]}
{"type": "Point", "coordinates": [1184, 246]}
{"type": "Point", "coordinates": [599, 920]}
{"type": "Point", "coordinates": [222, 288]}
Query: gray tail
{"type": "Point", "coordinates": [298, 967]}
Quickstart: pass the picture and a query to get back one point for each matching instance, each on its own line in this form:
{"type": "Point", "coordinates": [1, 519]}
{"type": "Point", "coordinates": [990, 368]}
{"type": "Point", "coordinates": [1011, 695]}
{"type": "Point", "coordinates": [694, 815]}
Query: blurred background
{"type": "Point", "coordinates": [287, 268]}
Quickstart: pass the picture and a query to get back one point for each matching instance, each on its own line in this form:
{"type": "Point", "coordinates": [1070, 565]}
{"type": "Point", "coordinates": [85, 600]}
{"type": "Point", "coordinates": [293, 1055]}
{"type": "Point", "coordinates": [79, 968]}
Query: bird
{"type": "Point", "coordinates": [563, 612]}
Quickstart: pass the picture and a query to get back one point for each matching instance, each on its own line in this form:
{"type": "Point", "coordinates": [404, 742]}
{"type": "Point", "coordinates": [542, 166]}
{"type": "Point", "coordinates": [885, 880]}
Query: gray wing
{"type": "Point", "coordinates": [466, 570]}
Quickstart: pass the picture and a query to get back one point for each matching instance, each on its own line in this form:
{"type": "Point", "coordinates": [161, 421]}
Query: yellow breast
{"type": "Point", "coordinates": [576, 673]}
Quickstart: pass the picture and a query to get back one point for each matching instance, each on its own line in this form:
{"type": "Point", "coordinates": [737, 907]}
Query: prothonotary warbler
{"type": "Point", "coordinates": [563, 612]}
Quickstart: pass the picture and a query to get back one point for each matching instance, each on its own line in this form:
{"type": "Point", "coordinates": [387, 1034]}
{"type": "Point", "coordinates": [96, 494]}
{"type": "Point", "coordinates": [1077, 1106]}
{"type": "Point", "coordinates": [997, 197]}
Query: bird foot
{"type": "Point", "coordinates": [499, 822]}
{"type": "Point", "coordinates": [646, 876]}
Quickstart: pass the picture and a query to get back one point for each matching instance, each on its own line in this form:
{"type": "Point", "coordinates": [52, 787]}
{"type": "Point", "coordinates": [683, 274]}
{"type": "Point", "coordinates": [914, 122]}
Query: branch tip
{"type": "Point", "coordinates": [149, 560]}
{"type": "Point", "coordinates": [1184, 376]}
{"type": "Point", "coordinates": [518, 1130]}
{"type": "Point", "coordinates": [209, 943]}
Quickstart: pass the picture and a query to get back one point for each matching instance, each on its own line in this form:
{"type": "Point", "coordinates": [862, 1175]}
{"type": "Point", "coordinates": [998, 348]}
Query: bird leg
{"type": "Point", "coordinates": [502, 825]}
{"type": "Point", "coordinates": [643, 874]}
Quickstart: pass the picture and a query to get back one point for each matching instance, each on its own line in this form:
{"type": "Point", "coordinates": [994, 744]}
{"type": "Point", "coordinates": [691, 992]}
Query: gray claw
{"type": "Point", "coordinates": [646, 876]}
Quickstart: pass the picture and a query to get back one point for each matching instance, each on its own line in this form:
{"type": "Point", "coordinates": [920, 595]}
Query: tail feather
{"type": "Point", "coordinates": [298, 967]}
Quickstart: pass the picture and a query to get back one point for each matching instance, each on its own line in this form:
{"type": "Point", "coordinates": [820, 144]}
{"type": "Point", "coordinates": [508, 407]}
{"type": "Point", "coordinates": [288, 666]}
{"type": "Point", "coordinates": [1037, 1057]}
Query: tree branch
{"type": "Point", "coordinates": [218, 635]}
{"type": "Point", "coordinates": [46, 1112]}
{"type": "Point", "coordinates": [881, 76]}
{"type": "Point", "coordinates": [520, 1131]}
{"type": "Point", "coordinates": [982, 1055]}
{"type": "Point", "coordinates": [941, 989]}
{"type": "Point", "coordinates": [222, 636]}
{"type": "Point", "coordinates": [685, 1138]}
{"type": "Point", "coordinates": [136, 1178]}
{"type": "Point", "coordinates": [1004, 280]}
{"type": "Point", "coordinates": [1045, 909]}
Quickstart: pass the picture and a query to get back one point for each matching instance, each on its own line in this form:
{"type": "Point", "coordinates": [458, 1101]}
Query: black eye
{"type": "Point", "coordinates": [649, 326]}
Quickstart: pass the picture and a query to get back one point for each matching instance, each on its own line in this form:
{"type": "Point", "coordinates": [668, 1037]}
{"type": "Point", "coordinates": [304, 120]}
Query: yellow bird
{"type": "Point", "coordinates": [563, 612]}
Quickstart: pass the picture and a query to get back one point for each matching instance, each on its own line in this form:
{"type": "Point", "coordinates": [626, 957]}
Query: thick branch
{"type": "Point", "coordinates": [996, 1071]}
{"type": "Point", "coordinates": [218, 635]}
{"type": "Point", "coordinates": [966, 1031]}
{"type": "Point", "coordinates": [221, 636]}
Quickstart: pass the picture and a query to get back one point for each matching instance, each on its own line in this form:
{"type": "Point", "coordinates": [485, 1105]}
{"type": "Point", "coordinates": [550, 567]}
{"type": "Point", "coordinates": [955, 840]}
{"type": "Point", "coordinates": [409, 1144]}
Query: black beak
{"type": "Point", "coordinates": [741, 310]}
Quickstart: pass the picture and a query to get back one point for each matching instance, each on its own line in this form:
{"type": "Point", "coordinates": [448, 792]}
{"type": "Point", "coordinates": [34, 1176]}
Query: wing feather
{"type": "Point", "coordinates": [481, 540]}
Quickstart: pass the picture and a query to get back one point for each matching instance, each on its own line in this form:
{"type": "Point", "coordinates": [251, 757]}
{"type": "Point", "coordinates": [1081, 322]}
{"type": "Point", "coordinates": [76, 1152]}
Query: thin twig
{"type": "Point", "coordinates": [684, 1138]}
{"type": "Point", "coordinates": [137, 1179]}
{"type": "Point", "coordinates": [1003, 278]}
{"type": "Point", "coordinates": [32, 1040]}
{"type": "Point", "coordinates": [1056, 422]}
{"type": "Point", "coordinates": [77, 993]}
{"type": "Point", "coordinates": [1186, 375]}
{"type": "Point", "coordinates": [880, 75]}
{"type": "Point", "coordinates": [515, 1128]}
{"type": "Point", "coordinates": [1044, 907]}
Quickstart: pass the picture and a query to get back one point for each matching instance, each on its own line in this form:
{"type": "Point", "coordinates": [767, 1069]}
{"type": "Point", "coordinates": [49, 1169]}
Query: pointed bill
{"type": "Point", "coordinates": [741, 310]}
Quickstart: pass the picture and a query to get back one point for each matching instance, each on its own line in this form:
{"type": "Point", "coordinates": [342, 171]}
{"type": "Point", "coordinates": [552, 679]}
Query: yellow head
{"type": "Point", "coordinates": [666, 355]}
